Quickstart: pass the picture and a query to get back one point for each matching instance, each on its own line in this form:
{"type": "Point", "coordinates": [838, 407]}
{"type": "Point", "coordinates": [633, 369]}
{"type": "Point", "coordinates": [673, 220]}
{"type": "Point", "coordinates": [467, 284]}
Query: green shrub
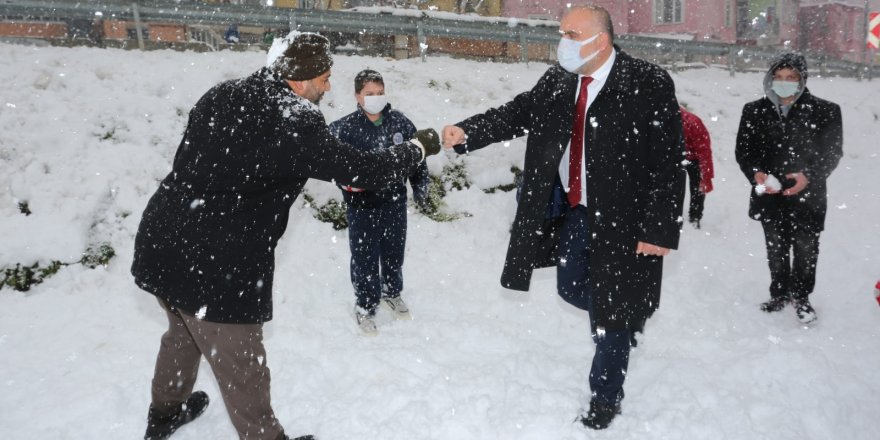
{"type": "Point", "coordinates": [100, 256]}
{"type": "Point", "coordinates": [24, 208]}
{"type": "Point", "coordinates": [332, 212]}
{"type": "Point", "coordinates": [22, 278]}
{"type": "Point", "coordinates": [452, 177]}
{"type": "Point", "coordinates": [517, 178]}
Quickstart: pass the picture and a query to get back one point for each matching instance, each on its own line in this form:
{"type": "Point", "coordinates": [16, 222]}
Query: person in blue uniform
{"type": "Point", "coordinates": [377, 219]}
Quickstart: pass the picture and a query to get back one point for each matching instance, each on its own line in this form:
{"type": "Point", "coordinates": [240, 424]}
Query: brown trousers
{"type": "Point", "coordinates": [237, 357]}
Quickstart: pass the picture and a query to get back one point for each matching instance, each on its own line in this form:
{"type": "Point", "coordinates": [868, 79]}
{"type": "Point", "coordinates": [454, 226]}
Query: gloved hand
{"type": "Point", "coordinates": [430, 141]}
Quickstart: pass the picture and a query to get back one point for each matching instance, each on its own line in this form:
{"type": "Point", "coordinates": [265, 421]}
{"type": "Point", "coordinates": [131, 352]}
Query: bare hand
{"type": "Point", "coordinates": [800, 182]}
{"type": "Point", "coordinates": [650, 249]}
{"type": "Point", "coordinates": [452, 136]}
{"type": "Point", "coordinates": [760, 178]}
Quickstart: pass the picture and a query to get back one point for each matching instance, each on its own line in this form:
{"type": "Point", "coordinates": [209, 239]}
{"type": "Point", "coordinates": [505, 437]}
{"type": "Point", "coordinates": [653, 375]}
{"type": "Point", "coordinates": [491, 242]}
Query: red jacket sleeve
{"type": "Point", "coordinates": [698, 147]}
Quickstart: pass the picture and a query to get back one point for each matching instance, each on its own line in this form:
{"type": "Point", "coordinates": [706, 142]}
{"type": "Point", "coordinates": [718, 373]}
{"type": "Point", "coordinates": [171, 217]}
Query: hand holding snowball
{"type": "Point", "coordinates": [766, 183]}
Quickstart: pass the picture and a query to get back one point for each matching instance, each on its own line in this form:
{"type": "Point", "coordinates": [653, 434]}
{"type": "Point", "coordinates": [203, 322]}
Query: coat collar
{"type": "Point", "coordinates": [621, 76]}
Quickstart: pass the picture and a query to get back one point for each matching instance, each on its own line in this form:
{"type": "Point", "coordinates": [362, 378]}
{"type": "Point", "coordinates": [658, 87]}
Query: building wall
{"type": "Point", "coordinates": [489, 8]}
{"type": "Point", "coordinates": [833, 29]}
{"type": "Point", "coordinates": [34, 30]}
{"type": "Point", "coordinates": [167, 32]}
{"type": "Point", "coordinates": [118, 30]}
{"type": "Point", "coordinates": [703, 19]}
{"type": "Point", "coordinates": [712, 20]}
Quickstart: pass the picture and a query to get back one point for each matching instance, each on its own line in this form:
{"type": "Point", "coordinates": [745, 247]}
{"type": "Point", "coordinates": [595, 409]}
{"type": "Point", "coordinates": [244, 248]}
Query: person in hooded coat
{"type": "Point", "coordinates": [787, 145]}
{"type": "Point", "coordinates": [622, 197]}
{"type": "Point", "coordinates": [206, 242]}
{"type": "Point", "coordinates": [377, 219]}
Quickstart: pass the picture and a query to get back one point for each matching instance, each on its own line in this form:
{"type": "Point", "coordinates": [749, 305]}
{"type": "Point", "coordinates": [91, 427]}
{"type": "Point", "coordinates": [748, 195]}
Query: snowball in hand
{"type": "Point", "coordinates": [771, 182]}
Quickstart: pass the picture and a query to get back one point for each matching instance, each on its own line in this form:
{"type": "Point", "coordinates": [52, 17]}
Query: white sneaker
{"type": "Point", "coordinates": [397, 306]}
{"type": "Point", "coordinates": [365, 321]}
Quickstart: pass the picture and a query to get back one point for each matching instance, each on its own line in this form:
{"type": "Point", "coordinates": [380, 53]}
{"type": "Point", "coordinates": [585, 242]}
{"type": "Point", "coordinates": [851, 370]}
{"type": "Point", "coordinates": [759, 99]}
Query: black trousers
{"type": "Point", "coordinates": [611, 358]}
{"type": "Point", "coordinates": [698, 198]}
{"type": "Point", "coordinates": [792, 253]}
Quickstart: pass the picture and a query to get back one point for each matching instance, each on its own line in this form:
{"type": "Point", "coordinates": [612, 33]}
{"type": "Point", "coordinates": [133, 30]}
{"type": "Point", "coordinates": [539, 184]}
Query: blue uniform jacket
{"type": "Point", "coordinates": [355, 129]}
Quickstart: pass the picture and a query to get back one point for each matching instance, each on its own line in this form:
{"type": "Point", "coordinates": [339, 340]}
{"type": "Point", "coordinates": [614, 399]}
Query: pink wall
{"type": "Point", "coordinates": [834, 29]}
{"type": "Point", "coordinates": [702, 18]}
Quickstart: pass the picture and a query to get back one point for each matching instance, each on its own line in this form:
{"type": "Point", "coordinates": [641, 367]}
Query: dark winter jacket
{"type": "Point", "coordinates": [207, 238]}
{"type": "Point", "coordinates": [635, 183]}
{"type": "Point", "coordinates": [808, 140]}
{"type": "Point", "coordinates": [357, 130]}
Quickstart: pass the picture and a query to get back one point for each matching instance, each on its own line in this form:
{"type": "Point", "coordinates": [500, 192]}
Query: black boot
{"type": "Point", "coordinates": [775, 304]}
{"type": "Point", "coordinates": [161, 426]}
{"type": "Point", "coordinates": [804, 311]}
{"type": "Point", "coordinates": [305, 437]}
{"type": "Point", "coordinates": [600, 416]}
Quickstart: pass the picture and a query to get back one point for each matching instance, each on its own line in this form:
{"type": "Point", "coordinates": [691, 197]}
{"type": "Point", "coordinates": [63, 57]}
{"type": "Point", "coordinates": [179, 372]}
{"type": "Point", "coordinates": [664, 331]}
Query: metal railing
{"type": "Point", "coordinates": [389, 21]}
{"type": "Point", "coordinates": [206, 35]}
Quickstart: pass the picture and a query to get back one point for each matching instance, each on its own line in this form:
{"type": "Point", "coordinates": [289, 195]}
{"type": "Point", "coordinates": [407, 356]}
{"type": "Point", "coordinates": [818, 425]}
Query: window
{"type": "Point", "coordinates": [728, 13]}
{"type": "Point", "coordinates": [668, 11]}
{"type": "Point", "coordinates": [132, 33]}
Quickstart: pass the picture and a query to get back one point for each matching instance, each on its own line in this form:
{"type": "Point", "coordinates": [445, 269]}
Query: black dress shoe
{"type": "Point", "coordinates": [161, 426]}
{"type": "Point", "coordinates": [600, 415]}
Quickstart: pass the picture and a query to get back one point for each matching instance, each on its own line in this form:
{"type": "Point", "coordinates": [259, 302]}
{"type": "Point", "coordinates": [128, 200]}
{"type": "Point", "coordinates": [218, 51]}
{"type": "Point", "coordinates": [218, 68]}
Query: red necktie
{"type": "Point", "coordinates": [576, 154]}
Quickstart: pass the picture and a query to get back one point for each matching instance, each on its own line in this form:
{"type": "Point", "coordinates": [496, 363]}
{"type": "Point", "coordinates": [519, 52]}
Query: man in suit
{"type": "Point", "coordinates": [605, 137]}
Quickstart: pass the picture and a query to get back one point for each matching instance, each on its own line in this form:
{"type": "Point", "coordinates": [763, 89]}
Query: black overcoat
{"type": "Point", "coordinates": [635, 182]}
{"type": "Point", "coordinates": [206, 241]}
{"type": "Point", "coordinates": [808, 140]}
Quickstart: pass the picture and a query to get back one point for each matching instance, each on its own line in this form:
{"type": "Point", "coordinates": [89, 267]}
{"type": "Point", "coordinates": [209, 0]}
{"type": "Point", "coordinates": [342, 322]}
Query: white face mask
{"type": "Point", "coordinates": [568, 53]}
{"type": "Point", "coordinates": [784, 89]}
{"type": "Point", "coordinates": [374, 104]}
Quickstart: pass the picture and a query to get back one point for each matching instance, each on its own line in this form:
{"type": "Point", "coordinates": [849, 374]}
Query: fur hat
{"type": "Point", "coordinates": [307, 56]}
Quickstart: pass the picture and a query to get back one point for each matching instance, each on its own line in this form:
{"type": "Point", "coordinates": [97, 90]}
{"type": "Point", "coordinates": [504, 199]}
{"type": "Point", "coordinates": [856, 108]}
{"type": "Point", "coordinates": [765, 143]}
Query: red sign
{"type": "Point", "coordinates": [874, 30]}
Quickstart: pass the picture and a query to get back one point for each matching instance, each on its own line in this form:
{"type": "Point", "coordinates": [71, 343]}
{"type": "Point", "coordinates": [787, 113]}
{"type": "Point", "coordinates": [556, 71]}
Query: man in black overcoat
{"type": "Point", "coordinates": [797, 139]}
{"type": "Point", "coordinates": [623, 194]}
{"type": "Point", "coordinates": [205, 246]}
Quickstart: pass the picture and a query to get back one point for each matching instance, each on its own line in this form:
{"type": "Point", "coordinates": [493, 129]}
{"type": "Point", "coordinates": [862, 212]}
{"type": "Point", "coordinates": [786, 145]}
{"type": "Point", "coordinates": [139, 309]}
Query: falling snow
{"type": "Point", "coordinates": [477, 361]}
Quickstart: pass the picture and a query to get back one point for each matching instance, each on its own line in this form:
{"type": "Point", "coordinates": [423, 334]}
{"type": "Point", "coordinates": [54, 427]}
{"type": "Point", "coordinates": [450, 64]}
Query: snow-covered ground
{"type": "Point", "coordinates": [86, 133]}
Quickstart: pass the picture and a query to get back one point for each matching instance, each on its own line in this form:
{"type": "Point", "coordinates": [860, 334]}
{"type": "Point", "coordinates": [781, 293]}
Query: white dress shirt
{"type": "Point", "coordinates": [593, 89]}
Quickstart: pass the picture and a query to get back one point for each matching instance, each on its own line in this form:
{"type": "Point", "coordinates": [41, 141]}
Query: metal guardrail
{"type": "Point", "coordinates": [409, 22]}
